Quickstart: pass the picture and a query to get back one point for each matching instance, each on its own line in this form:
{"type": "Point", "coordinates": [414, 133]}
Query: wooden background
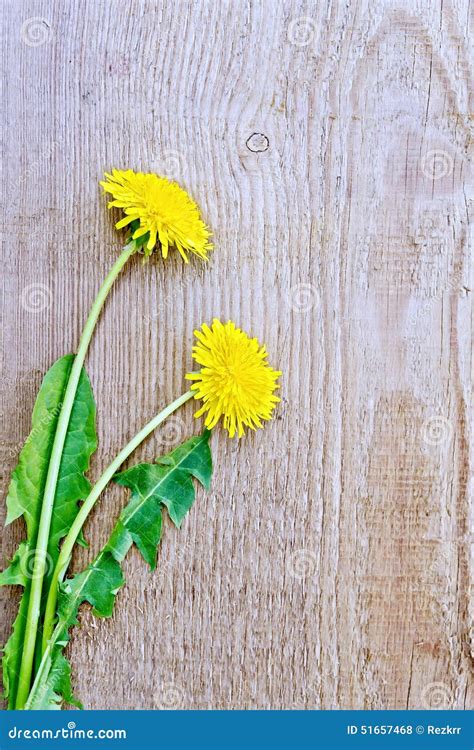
{"type": "Point", "coordinates": [328, 145]}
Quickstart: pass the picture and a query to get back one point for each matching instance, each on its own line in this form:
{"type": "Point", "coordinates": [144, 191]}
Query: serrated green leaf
{"type": "Point", "coordinates": [167, 482]}
{"type": "Point", "coordinates": [192, 456]}
{"type": "Point", "coordinates": [27, 484]}
{"type": "Point", "coordinates": [12, 653]}
{"type": "Point", "coordinates": [15, 574]}
{"type": "Point", "coordinates": [97, 584]}
{"type": "Point", "coordinates": [56, 688]}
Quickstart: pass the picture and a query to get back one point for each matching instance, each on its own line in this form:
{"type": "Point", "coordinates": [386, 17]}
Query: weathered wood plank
{"type": "Point", "coordinates": [328, 144]}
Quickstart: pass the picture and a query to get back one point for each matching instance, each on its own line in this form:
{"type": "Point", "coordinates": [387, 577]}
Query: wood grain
{"type": "Point", "coordinates": [328, 144]}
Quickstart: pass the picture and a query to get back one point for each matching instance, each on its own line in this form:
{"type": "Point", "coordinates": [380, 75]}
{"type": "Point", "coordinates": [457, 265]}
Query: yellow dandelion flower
{"type": "Point", "coordinates": [158, 210]}
{"type": "Point", "coordinates": [235, 382]}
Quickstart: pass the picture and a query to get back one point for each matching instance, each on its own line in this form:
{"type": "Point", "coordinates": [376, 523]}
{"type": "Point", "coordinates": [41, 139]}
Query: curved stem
{"type": "Point", "coordinates": [44, 665]}
{"type": "Point", "coordinates": [40, 558]}
{"type": "Point", "coordinates": [100, 485]}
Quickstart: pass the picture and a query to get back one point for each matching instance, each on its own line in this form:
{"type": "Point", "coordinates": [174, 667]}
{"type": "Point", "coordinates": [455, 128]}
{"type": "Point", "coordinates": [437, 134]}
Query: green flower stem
{"type": "Point", "coordinates": [120, 545]}
{"type": "Point", "coordinates": [100, 485]}
{"type": "Point", "coordinates": [39, 568]}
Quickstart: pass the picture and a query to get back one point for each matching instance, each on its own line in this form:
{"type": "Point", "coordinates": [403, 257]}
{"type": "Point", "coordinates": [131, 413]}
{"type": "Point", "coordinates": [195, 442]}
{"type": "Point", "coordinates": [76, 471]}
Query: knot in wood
{"type": "Point", "coordinates": [257, 142]}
